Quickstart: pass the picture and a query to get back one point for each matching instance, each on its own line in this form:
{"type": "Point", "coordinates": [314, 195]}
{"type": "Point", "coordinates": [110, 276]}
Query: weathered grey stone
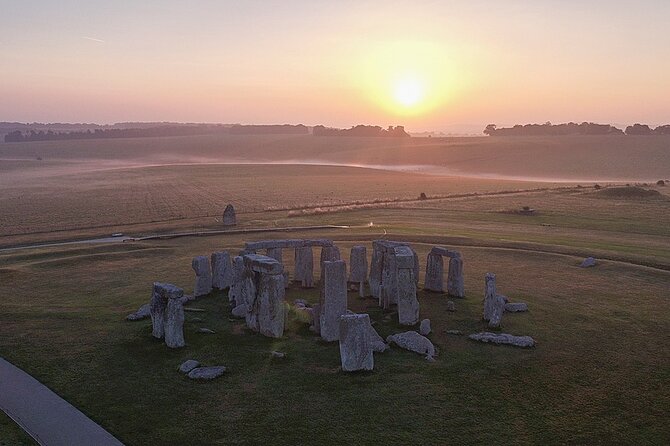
{"type": "Point", "coordinates": [497, 313]}
{"type": "Point", "coordinates": [275, 253]}
{"type": "Point", "coordinates": [333, 302]}
{"type": "Point", "coordinates": [271, 305]}
{"type": "Point", "coordinates": [358, 267]}
{"type": "Point", "coordinates": [504, 338]}
{"type": "Point", "coordinates": [203, 276]}
{"type": "Point", "coordinates": [142, 313]}
{"type": "Point", "coordinates": [206, 373]}
{"type": "Point", "coordinates": [413, 341]}
{"type": "Point", "coordinates": [376, 267]}
{"type": "Point", "coordinates": [240, 311]}
{"type": "Point", "coordinates": [174, 318]}
{"type": "Point", "coordinates": [158, 307]}
{"type": "Point", "coordinates": [516, 307]}
{"type": "Point", "coordinates": [455, 284]}
{"type": "Point", "coordinates": [408, 304]}
{"type": "Point", "coordinates": [318, 242]}
{"type": "Point", "coordinates": [278, 355]}
{"type": "Point", "coordinates": [376, 342]}
{"type": "Point", "coordinates": [274, 244]}
{"type": "Point", "coordinates": [451, 306]}
{"type": "Point", "coordinates": [222, 270]}
{"type": "Point", "coordinates": [229, 217]}
{"type": "Point", "coordinates": [206, 330]}
{"type": "Point", "coordinates": [424, 327]}
{"type": "Point", "coordinates": [188, 365]}
{"type": "Point", "coordinates": [262, 264]}
{"type": "Point", "coordinates": [489, 296]}
{"type": "Point", "coordinates": [286, 281]}
{"type": "Point", "coordinates": [355, 346]}
{"type": "Point", "coordinates": [194, 309]}
{"type": "Point", "coordinates": [301, 303]}
{"type": "Point", "coordinates": [383, 278]}
{"type": "Point", "coordinates": [237, 282]}
{"type": "Point", "coordinates": [434, 273]}
{"type": "Point", "coordinates": [304, 266]}
{"type": "Point", "coordinates": [588, 262]}
{"type": "Point", "coordinates": [329, 254]}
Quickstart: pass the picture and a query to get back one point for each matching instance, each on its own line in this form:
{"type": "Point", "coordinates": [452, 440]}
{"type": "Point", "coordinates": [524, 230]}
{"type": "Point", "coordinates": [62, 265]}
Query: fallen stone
{"type": "Point", "coordinates": [588, 263]}
{"type": "Point", "coordinates": [424, 327]}
{"type": "Point", "coordinates": [454, 332]}
{"type": "Point", "coordinates": [196, 319]}
{"type": "Point", "coordinates": [451, 306]}
{"type": "Point", "coordinates": [206, 330]}
{"type": "Point", "coordinates": [278, 355]}
{"type": "Point", "coordinates": [516, 307]}
{"type": "Point", "coordinates": [142, 313]}
{"type": "Point", "coordinates": [240, 311]}
{"type": "Point", "coordinates": [188, 365]}
{"type": "Point", "coordinates": [413, 341]}
{"type": "Point", "coordinates": [355, 347]}
{"type": "Point", "coordinates": [503, 338]}
{"type": "Point", "coordinates": [206, 373]}
{"type": "Point", "coordinates": [194, 309]}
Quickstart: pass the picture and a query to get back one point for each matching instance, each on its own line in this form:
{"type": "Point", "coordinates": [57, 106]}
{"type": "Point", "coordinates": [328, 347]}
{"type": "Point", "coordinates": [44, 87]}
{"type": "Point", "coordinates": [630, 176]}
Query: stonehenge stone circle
{"type": "Point", "coordinates": [504, 338]}
{"type": "Point", "coordinates": [229, 217]}
{"type": "Point", "coordinates": [355, 346]}
{"type": "Point", "coordinates": [222, 270]}
{"type": "Point", "coordinates": [358, 267]}
{"type": "Point", "coordinates": [333, 302]}
{"type": "Point", "coordinates": [413, 341]}
{"type": "Point", "coordinates": [203, 276]}
{"type": "Point", "coordinates": [167, 314]}
{"type": "Point", "coordinates": [382, 282]}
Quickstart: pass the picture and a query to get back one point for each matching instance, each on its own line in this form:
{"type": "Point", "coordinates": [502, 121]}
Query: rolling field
{"type": "Point", "coordinates": [598, 375]}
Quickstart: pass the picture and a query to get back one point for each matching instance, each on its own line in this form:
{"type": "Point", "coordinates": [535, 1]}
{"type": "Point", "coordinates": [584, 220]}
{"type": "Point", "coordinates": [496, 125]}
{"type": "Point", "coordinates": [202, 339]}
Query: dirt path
{"type": "Point", "coordinates": [45, 416]}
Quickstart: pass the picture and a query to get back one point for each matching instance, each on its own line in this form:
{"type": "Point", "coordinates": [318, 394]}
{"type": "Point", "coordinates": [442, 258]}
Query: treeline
{"type": "Point", "coordinates": [166, 130]}
{"type": "Point", "coordinates": [361, 130]}
{"type": "Point", "coordinates": [571, 128]}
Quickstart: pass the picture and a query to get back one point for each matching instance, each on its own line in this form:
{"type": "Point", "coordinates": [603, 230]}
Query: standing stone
{"type": "Point", "coordinates": [304, 266]}
{"type": "Point", "coordinates": [158, 305]}
{"type": "Point", "coordinates": [358, 267]}
{"type": "Point", "coordinates": [174, 320]}
{"type": "Point", "coordinates": [408, 305]}
{"type": "Point", "coordinates": [222, 270]}
{"type": "Point", "coordinates": [434, 273]}
{"type": "Point", "coordinates": [333, 302]}
{"type": "Point", "coordinates": [455, 286]}
{"type": "Point", "coordinates": [489, 296]}
{"type": "Point", "coordinates": [355, 346]}
{"type": "Point", "coordinates": [329, 254]}
{"type": "Point", "coordinates": [275, 253]}
{"type": "Point", "coordinates": [237, 282]}
{"type": "Point", "coordinates": [271, 308]}
{"type": "Point", "coordinates": [497, 312]}
{"type": "Point", "coordinates": [203, 276]}
{"type": "Point", "coordinates": [229, 217]}
{"type": "Point", "coordinates": [376, 267]}
{"type": "Point", "coordinates": [424, 327]}
{"type": "Point", "coordinates": [451, 306]}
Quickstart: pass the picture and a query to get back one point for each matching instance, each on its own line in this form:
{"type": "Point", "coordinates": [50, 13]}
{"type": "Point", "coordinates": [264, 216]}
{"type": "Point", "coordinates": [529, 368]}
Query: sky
{"type": "Point", "coordinates": [428, 65]}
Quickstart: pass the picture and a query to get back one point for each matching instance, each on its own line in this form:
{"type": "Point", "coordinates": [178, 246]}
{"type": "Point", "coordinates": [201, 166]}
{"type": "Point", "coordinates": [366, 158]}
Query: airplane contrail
{"type": "Point", "coordinates": [93, 39]}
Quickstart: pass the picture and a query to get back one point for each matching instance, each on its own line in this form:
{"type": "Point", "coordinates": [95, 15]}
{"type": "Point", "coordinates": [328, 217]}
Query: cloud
{"type": "Point", "coordinates": [93, 39]}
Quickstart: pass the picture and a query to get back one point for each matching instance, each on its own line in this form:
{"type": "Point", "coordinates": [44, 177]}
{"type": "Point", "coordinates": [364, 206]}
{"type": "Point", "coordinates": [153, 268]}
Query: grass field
{"type": "Point", "coordinates": [598, 375]}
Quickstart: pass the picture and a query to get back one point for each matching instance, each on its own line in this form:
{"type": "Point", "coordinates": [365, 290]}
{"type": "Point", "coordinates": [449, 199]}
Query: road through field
{"type": "Point", "coordinates": [45, 416]}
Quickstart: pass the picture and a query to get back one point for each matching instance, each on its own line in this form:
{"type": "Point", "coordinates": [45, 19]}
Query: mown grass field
{"type": "Point", "coordinates": [597, 376]}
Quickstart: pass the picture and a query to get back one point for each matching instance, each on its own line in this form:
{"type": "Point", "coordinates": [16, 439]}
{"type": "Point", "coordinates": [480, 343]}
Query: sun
{"type": "Point", "coordinates": [408, 92]}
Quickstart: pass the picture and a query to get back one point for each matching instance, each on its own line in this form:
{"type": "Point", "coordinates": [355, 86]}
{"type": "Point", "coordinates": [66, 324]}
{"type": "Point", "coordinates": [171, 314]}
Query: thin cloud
{"type": "Point", "coordinates": [93, 39]}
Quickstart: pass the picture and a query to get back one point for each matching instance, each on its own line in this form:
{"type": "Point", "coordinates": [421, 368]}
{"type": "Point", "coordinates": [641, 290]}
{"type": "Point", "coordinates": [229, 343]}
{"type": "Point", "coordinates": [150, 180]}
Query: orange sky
{"type": "Point", "coordinates": [428, 65]}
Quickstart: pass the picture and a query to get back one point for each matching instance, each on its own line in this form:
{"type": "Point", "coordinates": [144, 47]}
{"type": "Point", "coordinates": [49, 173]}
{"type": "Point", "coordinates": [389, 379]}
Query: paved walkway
{"type": "Point", "coordinates": [45, 416]}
